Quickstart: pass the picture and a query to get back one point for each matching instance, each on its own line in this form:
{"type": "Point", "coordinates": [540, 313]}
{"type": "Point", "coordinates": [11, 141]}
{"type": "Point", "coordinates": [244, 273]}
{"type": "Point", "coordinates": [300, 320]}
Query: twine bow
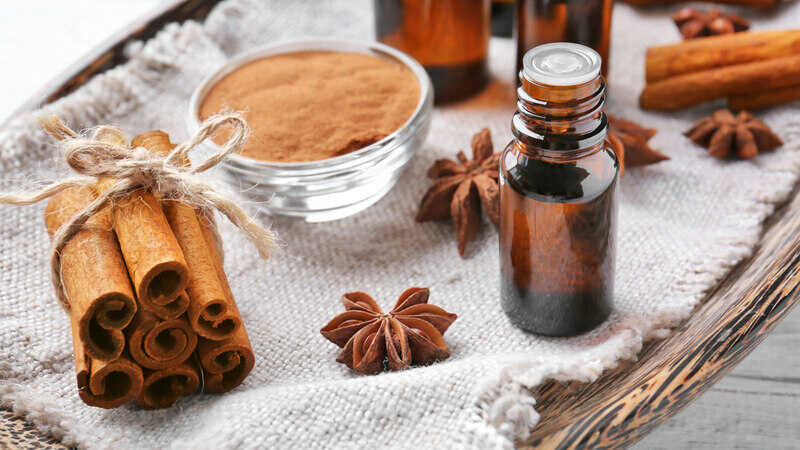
{"type": "Point", "coordinates": [135, 169]}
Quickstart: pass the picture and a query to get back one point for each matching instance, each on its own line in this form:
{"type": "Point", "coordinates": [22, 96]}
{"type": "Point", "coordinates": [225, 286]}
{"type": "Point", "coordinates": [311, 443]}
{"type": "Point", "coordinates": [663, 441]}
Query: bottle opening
{"type": "Point", "coordinates": [561, 64]}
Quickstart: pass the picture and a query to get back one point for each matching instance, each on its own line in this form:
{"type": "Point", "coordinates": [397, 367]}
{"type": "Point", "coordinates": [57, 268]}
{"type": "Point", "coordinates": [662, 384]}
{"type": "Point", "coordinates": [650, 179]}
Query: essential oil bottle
{"type": "Point", "coordinates": [558, 189]}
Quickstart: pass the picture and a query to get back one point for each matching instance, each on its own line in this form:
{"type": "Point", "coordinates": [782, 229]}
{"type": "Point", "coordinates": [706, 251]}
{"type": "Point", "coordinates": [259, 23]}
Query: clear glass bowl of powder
{"type": "Point", "coordinates": [334, 124]}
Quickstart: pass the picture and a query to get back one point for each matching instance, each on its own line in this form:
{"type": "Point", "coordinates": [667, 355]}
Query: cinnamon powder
{"type": "Point", "coordinates": [313, 105]}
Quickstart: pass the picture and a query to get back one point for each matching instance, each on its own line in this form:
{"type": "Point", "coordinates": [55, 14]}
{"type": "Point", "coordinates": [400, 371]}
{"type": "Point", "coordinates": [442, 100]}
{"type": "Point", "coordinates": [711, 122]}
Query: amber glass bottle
{"type": "Point", "coordinates": [450, 38]}
{"type": "Point", "coordinates": [586, 22]}
{"type": "Point", "coordinates": [558, 184]}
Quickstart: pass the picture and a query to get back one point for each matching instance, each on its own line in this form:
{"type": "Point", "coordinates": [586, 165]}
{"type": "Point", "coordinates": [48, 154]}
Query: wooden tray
{"type": "Point", "coordinates": [624, 404]}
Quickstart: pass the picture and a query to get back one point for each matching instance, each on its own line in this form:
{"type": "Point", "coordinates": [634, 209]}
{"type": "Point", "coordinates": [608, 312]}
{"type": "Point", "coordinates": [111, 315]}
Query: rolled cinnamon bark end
{"type": "Point", "coordinates": [212, 313]}
{"type": "Point", "coordinates": [764, 99]}
{"type": "Point", "coordinates": [111, 383]}
{"type": "Point", "coordinates": [162, 388]}
{"type": "Point", "coordinates": [706, 53]}
{"type": "Point", "coordinates": [699, 87]}
{"type": "Point", "coordinates": [94, 276]}
{"type": "Point", "coordinates": [104, 384]}
{"type": "Point", "coordinates": [225, 363]}
{"type": "Point", "coordinates": [172, 309]}
{"type": "Point", "coordinates": [158, 344]}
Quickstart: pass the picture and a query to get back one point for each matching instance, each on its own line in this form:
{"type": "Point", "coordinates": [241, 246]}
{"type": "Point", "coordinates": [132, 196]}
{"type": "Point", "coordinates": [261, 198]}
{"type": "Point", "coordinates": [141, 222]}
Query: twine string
{"type": "Point", "coordinates": [135, 169]}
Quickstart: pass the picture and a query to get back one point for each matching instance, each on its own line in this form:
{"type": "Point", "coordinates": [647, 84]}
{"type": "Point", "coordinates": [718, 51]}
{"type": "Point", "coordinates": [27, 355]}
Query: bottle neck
{"type": "Point", "coordinates": [560, 122]}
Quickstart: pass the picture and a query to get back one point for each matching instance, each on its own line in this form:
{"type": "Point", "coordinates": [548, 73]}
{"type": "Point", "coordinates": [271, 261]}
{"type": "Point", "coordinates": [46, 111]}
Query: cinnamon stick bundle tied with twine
{"type": "Point", "coordinates": [105, 225]}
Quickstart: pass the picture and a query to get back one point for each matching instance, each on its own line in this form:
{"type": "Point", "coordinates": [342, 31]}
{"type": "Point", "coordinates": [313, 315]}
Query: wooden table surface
{"type": "Point", "coordinates": [754, 407]}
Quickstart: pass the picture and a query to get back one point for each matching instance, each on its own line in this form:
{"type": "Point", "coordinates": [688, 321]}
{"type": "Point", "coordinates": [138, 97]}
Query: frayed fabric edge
{"type": "Point", "coordinates": [49, 420]}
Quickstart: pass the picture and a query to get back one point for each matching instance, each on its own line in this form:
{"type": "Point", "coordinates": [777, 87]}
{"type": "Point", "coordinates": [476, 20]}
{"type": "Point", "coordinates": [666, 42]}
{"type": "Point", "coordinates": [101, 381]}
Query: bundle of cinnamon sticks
{"type": "Point", "coordinates": [751, 70]}
{"type": "Point", "coordinates": [152, 314]}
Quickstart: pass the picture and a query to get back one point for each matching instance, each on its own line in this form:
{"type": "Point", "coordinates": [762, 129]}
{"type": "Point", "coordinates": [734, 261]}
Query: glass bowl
{"type": "Point", "coordinates": [332, 188]}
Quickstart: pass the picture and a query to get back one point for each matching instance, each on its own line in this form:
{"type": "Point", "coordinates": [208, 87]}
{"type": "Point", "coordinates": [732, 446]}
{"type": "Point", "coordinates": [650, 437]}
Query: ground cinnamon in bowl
{"type": "Point", "coordinates": [312, 105]}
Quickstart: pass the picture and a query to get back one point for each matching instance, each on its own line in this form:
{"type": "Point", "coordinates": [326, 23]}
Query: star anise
{"type": "Point", "coordinates": [693, 23]}
{"type": "Point", "coordinates": [372, 341]}
{"type": "Point", "coordinates": [633, 137]}
{"type": "Point", "coordinates": [723, 132]}
{"type": "Point", "coordinates": [461, 187]}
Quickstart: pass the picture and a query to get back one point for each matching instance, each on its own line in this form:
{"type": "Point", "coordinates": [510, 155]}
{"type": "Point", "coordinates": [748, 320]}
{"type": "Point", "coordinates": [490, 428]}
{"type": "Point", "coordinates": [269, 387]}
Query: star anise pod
{"type": "Point", "coordinates": [633, 137]}
{"type": "Point", "coordinates": [371, 340]}
{"type": "Point", "coordinates": [693, 23]}
{"type": "Point", "coordinates": [723, 132]}
{"type": "Point", "coordinates": [461, 187]}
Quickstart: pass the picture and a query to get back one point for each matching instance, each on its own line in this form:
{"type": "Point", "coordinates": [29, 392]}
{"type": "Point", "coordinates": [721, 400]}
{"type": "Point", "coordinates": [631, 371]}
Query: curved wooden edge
{"type": "Point", "coordinates": [111, 52]}
{"type": "Point", "coordinates": [625, 404]}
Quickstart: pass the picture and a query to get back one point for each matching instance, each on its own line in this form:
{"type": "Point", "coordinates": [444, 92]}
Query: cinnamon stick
{"type": "Point", "coordinates": [225, 363]}
{"type": "Point", "coordinates": [158, 344]}
{"type": "Point", "coordinates": [162, 388]}
{"type": "Point", "coordinates": [750, 3]}
{"type": "Point", "coordinates": [764, 99]}
{"type": "Point", "coordinates": [152, 254]}
{"type": "Point", "coordinates": [212, 313]}
{"type": "Point", "coordinates": [706, 53]}
{"type": "Point", "coordinates": [698, 87]}
{"type": "Point", "coordinates": [105, 384]}
{"type": "Point", "coordinates": [94, 276]}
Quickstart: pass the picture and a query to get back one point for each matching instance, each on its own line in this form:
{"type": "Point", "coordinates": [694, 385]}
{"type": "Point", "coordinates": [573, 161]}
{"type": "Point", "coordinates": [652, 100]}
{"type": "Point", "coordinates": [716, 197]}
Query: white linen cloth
{"type": "Point", "coordinates": [683, 224]}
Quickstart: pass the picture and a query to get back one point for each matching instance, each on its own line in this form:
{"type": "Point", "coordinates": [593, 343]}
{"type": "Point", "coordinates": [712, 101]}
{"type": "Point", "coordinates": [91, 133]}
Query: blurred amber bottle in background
{"type": "Point", "coordinates": [450, 38]}
{"type": "Point", "coordinates": [586, 22]}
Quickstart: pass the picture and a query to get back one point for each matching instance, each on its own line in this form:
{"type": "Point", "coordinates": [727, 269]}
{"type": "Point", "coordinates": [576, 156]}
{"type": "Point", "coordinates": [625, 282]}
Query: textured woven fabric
{"type": "Point", "coordinates": [683, 224]}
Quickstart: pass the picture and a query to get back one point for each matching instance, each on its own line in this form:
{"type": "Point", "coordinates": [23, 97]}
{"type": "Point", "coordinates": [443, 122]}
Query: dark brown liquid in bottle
{"type": "Point", "coordinates": [586, 22]}
{"type": "Point", "coordinates": [450, 38]}
{"type": "Point", "coordinates": [557, 246]}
